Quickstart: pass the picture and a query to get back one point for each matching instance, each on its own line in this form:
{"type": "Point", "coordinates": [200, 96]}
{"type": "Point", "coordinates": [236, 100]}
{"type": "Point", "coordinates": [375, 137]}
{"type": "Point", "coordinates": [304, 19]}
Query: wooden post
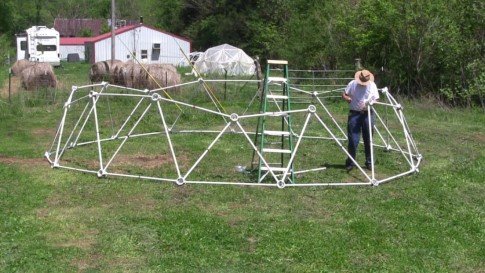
{"type": "Point", "coordinates": [113, 25]}
{"type": "Point", "coordinates": [225, 84]}
{"type": "Point", "coordinates": [9, 85]}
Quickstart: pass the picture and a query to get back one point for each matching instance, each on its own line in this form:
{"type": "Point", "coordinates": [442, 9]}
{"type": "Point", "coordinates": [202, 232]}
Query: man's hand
{"type": "Point", "coordinates": [346, 97]}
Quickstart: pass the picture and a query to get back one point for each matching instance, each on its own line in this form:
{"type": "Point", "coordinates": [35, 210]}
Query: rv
{"type": "Point", "coordinates": [39, 44]}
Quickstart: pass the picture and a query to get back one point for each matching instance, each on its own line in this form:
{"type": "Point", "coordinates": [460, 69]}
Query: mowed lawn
{"type": "Point", "coordinates": [54, 220]}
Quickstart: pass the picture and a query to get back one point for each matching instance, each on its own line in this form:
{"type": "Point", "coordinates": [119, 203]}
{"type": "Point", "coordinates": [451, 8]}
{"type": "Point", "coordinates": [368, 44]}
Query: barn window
{"type": "Point", "coordinates": [144, 54]}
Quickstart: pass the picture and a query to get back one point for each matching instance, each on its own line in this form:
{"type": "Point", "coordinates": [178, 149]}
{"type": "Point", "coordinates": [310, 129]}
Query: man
{"type": "Point", "coordinates": [359, 93]}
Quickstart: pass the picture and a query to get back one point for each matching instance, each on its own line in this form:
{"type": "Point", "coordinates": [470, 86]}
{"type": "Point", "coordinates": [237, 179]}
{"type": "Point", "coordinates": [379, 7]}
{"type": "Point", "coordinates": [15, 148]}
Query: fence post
{"type": "Point", "coordinates": [358, 65]}
{"type": "Point", "coordinates": [9, 85]}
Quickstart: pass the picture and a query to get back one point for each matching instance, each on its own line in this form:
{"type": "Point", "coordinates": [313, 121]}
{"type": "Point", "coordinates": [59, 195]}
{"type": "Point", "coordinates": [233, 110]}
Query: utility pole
{"type": "Point", "coordinates": [113, 24]}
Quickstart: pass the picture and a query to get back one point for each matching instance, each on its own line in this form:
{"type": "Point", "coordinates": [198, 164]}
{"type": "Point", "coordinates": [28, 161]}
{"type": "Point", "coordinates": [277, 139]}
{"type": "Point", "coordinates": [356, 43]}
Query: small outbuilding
{"type": "Point", "coordinates": [73, 45]}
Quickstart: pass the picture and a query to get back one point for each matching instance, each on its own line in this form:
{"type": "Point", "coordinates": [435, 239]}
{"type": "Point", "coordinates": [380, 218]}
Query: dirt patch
{"type": "Point", "coordinates": [85, 241]}
{"type": "Point", "coordinates": [252, 243]}
{"type": "Point", "coordinates": [42, 213]}
{"type": "Point", "coordinates": [479, 137]}
{"type": "Point", "coordinates": [125, 264]}
{"type": "Point", "coordinates": [21, 161]}
{"type": "Point", "coordinates": [145, 161]}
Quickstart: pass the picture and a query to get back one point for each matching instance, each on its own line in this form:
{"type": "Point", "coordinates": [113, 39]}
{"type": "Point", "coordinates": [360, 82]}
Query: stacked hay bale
{"type": "Point", "coordinates": [133, 75]}
{"type": "Point", "coordinates": [113, 75]}
{"type": "Point", "coordinates": [19, 66]}
{"type": "Point", "coordinates": [103, 71]}
{"type": "Point", "coordinates": [138, 76]}
{"type": "Point", "coordinates": [38, 75]}
{"type": "Point", "coordinates": [161, 75]}
{"type": "Point", "coordinates": [116, 75]}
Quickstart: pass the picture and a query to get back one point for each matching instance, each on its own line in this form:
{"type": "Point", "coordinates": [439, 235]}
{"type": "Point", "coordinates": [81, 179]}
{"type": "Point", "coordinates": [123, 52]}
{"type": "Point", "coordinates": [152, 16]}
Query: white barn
{"type": "Point", "coordinates": [148, 44]}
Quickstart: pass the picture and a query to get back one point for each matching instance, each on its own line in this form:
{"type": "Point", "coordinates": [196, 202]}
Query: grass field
{"type": "Point", "coordinates": [64, 221]}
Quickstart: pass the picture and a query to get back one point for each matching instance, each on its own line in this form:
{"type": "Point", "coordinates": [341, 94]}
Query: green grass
{"type": "Point", "coordinates": [64, 221]}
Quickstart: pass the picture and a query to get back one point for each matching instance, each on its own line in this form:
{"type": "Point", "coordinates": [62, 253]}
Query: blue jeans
{"type": "Point", "coordinates": [357, 122]}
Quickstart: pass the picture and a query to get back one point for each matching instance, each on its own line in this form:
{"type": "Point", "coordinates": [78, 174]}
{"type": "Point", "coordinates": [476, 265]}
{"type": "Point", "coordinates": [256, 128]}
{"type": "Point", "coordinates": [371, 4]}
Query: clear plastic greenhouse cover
{"type": "Point", "coordinates": [225, 58]}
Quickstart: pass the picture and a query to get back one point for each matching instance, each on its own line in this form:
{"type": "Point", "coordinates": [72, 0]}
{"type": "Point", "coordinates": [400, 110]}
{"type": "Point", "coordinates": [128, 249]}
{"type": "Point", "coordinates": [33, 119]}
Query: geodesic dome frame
{"type": "Point", "coordinates": [91, 99]}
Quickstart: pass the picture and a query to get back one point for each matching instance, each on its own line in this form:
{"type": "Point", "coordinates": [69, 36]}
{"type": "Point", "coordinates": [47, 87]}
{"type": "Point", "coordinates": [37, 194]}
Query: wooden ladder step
{"type": "Point", "coordinates": [277, 79]}
{"type": "Point", "coordinates": [277, 97]}
{"type": "Point", "coordinates": [277, 62]}
{"type": "Point", "coordinates": [279, 151]}
{"type": "Point", "coordinates": [276, 133]}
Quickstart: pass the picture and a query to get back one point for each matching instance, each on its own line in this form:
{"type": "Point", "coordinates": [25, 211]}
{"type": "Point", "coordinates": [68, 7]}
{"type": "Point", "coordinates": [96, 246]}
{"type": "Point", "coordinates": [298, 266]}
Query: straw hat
{"type": "Point", "coordinates": [364, 77]}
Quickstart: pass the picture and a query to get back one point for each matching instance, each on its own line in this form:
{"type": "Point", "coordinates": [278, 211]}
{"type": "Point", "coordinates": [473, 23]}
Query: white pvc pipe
{"type": "Point", "coordinates": [273, 114]}
{"type": "Point", "coordinates": [56, 160]}
{"type": "Point", "coordinates": [292, 157]}
{"type": "Point", "coordinates": [311, 170]}
{"type": "Point", "coordinates": [96, 123]}
{"type": "Point", "coordinates": [73, 129]}
{"type": "Point", "coordinates": [206, 151]}
{"type": "Point", "coordinates": [196, 107]}
{"type": "Point", "coordinates": [231, 183]}
{"type": "Point", "coordinates": [333, 119]}
{"type": "Point", "coordinates": [392, 137]}
{"type": "Point", "coordinates": [84, 125]}
{"type": "Point", "coordinates": [129, 117]}
{"type": "Point", "coordinates": [257, 151]}
{"type": "Point", "coordinates": [127, 137]}
{"type": "Point", "coordinates": [342, 147]}
{"type": "Point", "coordinates": [141, 177]}
{"type": "Point", "coordinates": [168, 139]}
{"type": "Point", "coordinates": [330, 184]}
{"type": "Point", "coordinates": [371, 144]}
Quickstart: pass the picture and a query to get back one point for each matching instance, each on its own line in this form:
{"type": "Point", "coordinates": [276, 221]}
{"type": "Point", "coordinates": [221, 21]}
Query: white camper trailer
{"type": "Point", "coordinates": [39, 44]}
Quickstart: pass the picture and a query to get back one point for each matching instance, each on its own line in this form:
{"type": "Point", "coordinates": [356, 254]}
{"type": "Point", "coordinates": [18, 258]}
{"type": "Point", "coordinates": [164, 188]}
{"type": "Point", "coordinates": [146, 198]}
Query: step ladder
{"type": "Point", "coordinates": [273, 132]}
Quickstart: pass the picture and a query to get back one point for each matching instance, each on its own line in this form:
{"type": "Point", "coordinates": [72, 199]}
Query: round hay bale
{"type": "Point", "coordinates": [123, 74]}
{"type": "Point", "coordinates": [139, 76]}
{"type": "Point", "coordinates": [126, 72]}
{"type": "Point", "coordinates": [113, 68]}
{"type": "Point", "coordinates": [98, 72]}
{"type": "Point", "coordinates": [162, 76]}
{"type": "Point", "coordinates": [101, 71]}
{"type": "Point", "coordinates": [164, 66]}
{"type": "Point", "coordinates": [38, 75]}
{"type": "Point", "coordinates": [117, 76]}
{"type": "Point", "coordinates": [20, 65]}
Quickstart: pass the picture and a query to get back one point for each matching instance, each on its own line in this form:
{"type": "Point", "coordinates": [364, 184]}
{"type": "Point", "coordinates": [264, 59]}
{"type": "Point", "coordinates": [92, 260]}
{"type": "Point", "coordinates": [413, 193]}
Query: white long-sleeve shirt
{"type": "Point", "coordinates": [361, 95]}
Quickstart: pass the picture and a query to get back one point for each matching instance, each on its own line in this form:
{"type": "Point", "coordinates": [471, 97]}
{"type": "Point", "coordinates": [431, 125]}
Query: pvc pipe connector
{"type": "Point", "coordinates": [93, 94]}
{"type": "Point", "coordinates": [312, 108]}
{"type": "Point", "coordinates": [101, 173]}
{"type": "Point", "coordinates": [156, 97]}
{"type": "Point", "coordinates": [180, 181]}
{"type": "Point", "coordinates": [234, 117]}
